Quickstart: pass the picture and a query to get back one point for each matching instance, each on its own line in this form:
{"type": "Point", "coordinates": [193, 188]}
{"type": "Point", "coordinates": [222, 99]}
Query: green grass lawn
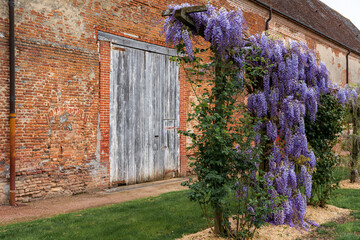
{"type": "Point", "coordinates": [350, 230]}
{"type": "Point", "coordinates": [167, 216]}
{"type": "Point", "coordinates": [342, 173]}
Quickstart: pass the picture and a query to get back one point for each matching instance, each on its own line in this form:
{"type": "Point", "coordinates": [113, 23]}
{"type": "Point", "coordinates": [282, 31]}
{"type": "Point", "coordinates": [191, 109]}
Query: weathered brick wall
{"type": "Point", "coordinates": [62, 90]}
{"type": "Point", "coordinates": [62, 85]}
{"type": "Point", "coordinates": [57, 103]}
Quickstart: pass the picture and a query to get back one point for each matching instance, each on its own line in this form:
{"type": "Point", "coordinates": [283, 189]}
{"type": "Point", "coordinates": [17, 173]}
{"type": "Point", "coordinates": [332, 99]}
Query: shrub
{"type": "Point", "coordinates": [322, 136]}
{"type": "Point", "coordinates": [352, 138]}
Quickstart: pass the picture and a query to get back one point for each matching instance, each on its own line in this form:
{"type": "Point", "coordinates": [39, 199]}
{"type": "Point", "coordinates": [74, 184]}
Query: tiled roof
{"type": "Point", "coordinates": [320, 17]}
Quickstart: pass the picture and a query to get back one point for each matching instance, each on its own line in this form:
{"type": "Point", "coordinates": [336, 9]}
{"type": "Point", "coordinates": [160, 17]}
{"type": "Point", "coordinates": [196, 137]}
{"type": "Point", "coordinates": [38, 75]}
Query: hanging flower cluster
{"type": "Point", "coordinates": [346, 94]}
{"type": "Point", "coordinates": [223, 29]}
{"type": "Point", "coordinates": [290, 90]}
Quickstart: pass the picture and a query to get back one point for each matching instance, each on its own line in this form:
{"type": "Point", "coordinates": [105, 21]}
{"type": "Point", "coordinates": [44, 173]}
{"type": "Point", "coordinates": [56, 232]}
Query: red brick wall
{"type": "Point", "coordinates": [57, 99]}
{"type": "Point", "coordinates": [62, 87]}
{"type": "Point", "coordinates": [184, 108]}
{"type": "Point", "coordinates": [105, 49]}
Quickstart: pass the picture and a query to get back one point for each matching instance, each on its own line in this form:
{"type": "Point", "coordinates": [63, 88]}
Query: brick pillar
{"type": "Point", "coordinates": [184, 99]}
{"type": "Point", "coordinates": [105, 61]}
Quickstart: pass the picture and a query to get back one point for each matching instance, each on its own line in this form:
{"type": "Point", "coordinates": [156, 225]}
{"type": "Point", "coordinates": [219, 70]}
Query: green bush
{"type": "Point", "coordinates": [351, 141]}
{"type": "Point", "coordinates": [322, 136]}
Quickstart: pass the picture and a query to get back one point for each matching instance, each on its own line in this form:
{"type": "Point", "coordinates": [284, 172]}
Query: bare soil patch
{"type": "Point", "coordinates": [347, 185]}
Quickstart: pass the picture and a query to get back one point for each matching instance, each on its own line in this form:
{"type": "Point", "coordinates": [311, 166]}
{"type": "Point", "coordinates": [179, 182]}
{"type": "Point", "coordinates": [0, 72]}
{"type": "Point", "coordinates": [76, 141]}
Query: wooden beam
{"type": "Point", "coordinates": [201, 8]}
{"type": "Point", "coordinates": [183, 17]}
{"type": "Point", "coordinates": [167, 12]}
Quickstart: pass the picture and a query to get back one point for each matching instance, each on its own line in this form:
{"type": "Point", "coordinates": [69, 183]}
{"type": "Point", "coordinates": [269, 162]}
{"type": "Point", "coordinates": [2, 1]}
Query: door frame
{"type": "Point", "coordinates": [114, 41]}
{"type": "Point", "coordinates": [128, 42]}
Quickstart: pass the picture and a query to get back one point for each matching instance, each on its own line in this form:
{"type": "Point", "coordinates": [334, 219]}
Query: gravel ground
{"type": "Point", "coordinates": [346, 184]}
{"type": "Point", "coordinates": [284, 232]}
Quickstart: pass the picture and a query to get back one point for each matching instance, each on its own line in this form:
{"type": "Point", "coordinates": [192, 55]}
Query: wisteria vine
{"type": "Point", "coordinates": [222, 28]}
{"type": "Point", "coordinates": [281, 98]}
{"type": "Point", "coordinates": [289, 91]}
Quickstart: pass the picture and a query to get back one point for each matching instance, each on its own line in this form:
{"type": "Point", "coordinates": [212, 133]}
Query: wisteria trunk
{"type": "Point", "coordinates": [218, 221]}
{"type": "Point", "coordinates": [264, 165]}
{"type": "Point", "coordinates": [355, 150]}
{"type": "Point", "coordinates": [218, 90]}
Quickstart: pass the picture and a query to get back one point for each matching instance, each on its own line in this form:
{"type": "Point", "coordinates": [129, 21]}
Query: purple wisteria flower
{"type": "Point", "coordinates": [261, 105]}
{"type": "Point", "coordinates": [292, 177]}
{"type": "Point", "coordinates": [311, 222]}
{"type": "Point", "coordinates": [188, 44]}
{"type": "Point", "coordinates": [300, 203]}
{"type": "Point", "coordinates": [341, 96]}
{"type": "Point", "coordinates": [311, 156]}
{"type": "Point", "coordinates": [279, 217]}
{"type": "Point", "coordinates": [354, 94]}
{"type": "Point", "coordinates": [271, 131]}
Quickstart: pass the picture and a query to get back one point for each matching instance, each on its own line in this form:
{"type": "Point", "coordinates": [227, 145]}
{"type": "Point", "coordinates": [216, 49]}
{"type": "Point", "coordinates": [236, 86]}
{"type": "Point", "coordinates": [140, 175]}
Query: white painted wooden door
{"type": "Point", "coordinates": [144, 115]}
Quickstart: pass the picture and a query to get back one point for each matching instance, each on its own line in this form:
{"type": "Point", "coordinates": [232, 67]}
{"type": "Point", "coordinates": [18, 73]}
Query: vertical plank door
{"type": "Point", "coordinates": [144, 116]}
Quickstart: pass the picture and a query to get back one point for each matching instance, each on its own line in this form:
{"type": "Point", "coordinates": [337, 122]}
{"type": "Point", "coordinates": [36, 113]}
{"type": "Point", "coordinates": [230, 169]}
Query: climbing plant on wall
{"type": "Point", "coordinates": [282, 99]}
{"type": "Point", "coordinates": [282, 83]}
{"type": "Point", "coordinates": [225, 159]}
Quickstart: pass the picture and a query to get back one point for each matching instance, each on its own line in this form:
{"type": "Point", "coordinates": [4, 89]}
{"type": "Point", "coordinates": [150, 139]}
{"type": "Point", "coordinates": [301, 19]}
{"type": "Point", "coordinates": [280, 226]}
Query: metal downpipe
{"type": "Point", "coordinates": [268, 20]}
{"type": "Point", "coordinates": [12, 101]}
{"type": "Point", "coordinates": [347, 67]}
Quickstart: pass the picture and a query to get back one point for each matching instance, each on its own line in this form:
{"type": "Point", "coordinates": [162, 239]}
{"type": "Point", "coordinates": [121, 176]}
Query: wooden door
{"type": "Point", "coordinates": [144, 115]}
